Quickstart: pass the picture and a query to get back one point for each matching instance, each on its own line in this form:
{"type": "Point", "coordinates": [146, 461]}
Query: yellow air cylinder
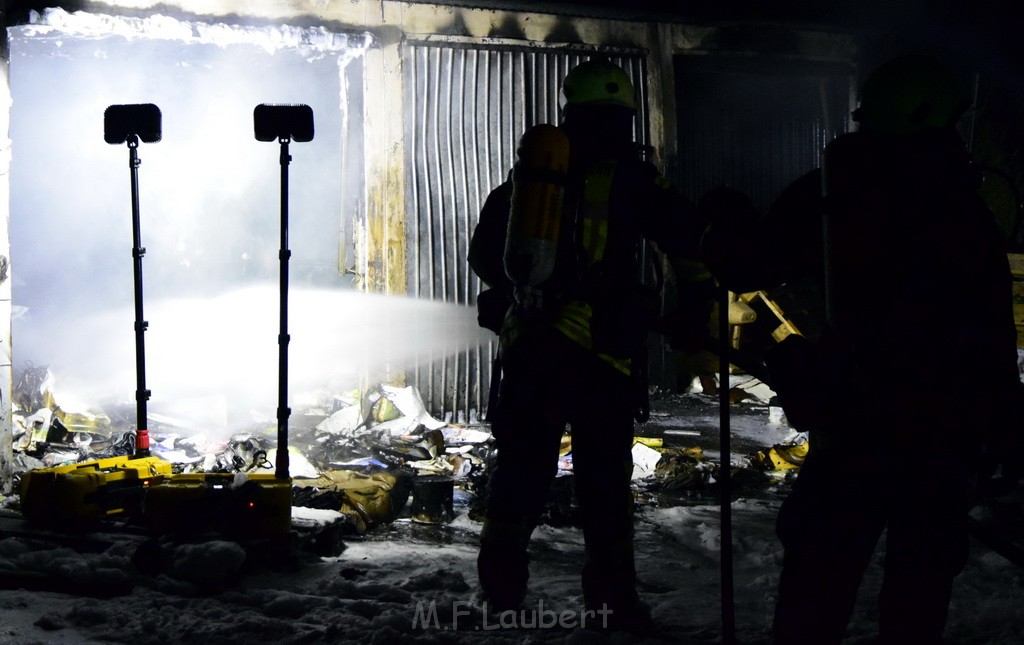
{"type": "Point", "coordinates": [538, 191]}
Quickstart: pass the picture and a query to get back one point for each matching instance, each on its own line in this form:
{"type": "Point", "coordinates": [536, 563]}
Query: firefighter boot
{"type": "Point", "coordinates": [503, 563]}
{"type": "Point", "coordinates": [609, 590]}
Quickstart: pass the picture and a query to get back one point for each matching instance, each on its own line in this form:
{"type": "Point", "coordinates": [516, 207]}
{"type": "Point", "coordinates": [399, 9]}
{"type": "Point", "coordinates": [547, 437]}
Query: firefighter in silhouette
{"type": "Point", "coordinates": [560, 246]}
{"type": "Point", "coordinates": [914, 372]}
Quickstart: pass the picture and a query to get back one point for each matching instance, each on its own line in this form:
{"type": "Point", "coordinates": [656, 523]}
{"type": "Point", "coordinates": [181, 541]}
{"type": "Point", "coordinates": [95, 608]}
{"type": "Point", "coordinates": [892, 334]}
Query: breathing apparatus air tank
{"type": "Point", "coordinates": [538, 191]}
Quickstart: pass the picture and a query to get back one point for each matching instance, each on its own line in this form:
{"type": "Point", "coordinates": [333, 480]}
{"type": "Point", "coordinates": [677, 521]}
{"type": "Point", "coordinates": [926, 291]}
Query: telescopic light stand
{"type": "Point", "coordinates": [284, 124]}
{"type": "Point", "coordinates": [283, 411]}
{"type": "Point", "coordinates": [142, 394]}
{"type": "Point", "coordinates": [725, 473]}
{"type": "Point", "coordinates": [130, 124]}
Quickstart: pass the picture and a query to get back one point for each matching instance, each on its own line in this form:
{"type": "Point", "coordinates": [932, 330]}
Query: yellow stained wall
{"type": "Point", "coordinates": [384, 231]}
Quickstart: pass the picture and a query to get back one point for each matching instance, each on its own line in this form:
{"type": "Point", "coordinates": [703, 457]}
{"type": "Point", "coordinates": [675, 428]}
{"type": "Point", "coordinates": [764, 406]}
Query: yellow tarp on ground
{"type": "Point", "coordinates": [368, 499]}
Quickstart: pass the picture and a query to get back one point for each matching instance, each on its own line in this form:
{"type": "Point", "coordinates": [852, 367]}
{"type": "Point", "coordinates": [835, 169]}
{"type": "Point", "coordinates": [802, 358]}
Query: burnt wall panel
{"type": "Point", "coordinates": [467, 105]}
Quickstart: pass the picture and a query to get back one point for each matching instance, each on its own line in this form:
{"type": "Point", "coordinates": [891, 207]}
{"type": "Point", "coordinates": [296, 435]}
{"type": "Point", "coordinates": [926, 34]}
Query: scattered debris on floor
{"type": "Point", "coordinates": [366, 458]}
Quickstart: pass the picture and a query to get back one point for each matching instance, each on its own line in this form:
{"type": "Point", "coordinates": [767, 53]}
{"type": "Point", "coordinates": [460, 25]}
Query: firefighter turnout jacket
{"type": "Point", "coordinates": [608, 207]}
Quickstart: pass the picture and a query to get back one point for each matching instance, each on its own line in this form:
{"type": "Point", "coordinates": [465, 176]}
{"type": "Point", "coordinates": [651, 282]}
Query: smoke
{"type": "Point", "coordinates": [210, 215]}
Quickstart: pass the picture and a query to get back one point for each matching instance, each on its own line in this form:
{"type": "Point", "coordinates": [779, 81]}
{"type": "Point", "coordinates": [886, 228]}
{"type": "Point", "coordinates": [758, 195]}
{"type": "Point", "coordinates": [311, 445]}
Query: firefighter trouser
{"type": "Point", "coordinates": [549, 382]}
{"type": "Point", "coordinates": [830, 524]}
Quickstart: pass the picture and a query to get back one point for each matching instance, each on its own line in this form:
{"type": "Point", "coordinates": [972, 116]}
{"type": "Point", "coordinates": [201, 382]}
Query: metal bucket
{"type": "Point", "coordinates": [432, 499]}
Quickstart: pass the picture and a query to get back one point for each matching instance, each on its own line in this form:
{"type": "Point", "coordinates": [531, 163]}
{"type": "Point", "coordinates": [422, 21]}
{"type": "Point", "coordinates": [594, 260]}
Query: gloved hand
{"type": "Point", "coordinates": [794, 367]}
{"type": "Point", "coordinates": [492, 306]}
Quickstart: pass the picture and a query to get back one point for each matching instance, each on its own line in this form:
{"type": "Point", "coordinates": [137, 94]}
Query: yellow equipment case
{"type": "Point", "coordinates": [235, 505]}
{"type": "Point", "coordinates": [80, 494]}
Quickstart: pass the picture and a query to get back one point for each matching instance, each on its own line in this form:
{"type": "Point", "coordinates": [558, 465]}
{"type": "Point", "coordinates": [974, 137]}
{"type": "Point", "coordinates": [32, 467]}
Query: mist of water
{"type": "Point", "coordinates": [224, 348]}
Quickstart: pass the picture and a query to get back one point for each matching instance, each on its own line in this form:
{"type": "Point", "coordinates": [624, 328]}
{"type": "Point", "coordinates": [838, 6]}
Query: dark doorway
{"type": "Point", "coordinates": [755, 124]}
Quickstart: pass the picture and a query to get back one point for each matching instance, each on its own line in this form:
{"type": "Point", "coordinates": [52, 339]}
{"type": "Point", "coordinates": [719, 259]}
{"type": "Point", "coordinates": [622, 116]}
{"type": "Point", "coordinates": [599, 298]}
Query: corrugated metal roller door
{"type": "Point", "coordinates": [466, 106]}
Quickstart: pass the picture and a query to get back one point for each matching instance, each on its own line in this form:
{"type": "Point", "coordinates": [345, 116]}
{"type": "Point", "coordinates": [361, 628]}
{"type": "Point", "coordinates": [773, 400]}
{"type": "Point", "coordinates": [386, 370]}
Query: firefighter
{"type": "Point", "coordinates": [914, 372]}
{"type": "Point", "coordinates": [560, 245]}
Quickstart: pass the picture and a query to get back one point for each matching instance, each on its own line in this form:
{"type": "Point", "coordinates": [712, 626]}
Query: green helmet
{"type": "Point", "coordinates": [909, 94]}
{"type": "Point", "coordinates": [597, 81]}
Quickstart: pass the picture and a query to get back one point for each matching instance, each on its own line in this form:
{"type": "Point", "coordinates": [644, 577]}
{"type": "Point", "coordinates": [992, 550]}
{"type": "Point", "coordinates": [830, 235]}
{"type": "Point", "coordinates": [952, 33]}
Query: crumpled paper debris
{"type": "Point", "coordinates": [410, 404]}
{"type": "Point", "coordinates": [645, 460]}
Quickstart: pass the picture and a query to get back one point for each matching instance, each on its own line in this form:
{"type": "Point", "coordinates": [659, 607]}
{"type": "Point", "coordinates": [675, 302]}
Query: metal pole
{"type": "Point", "coordinates": [141, 393]}
{"type": "Point", "coordinates": [974, 112]}
{"type": "Point", "coordinates": [725, 474]}
{"type": "Point", "coordinates": [282, 340]}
